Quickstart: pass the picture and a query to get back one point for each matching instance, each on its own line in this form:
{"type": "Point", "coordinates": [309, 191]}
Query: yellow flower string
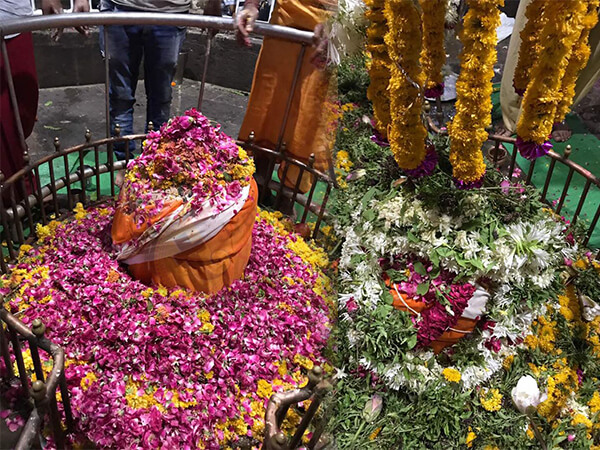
{"type": "Point", "coordinates": [433, 55]}
{"type": "Point", "coordinates": [530, 43]}
{"type": "Point", "coordinates": [579, 58]}
{"type": "Point", "coordinates": [406, 133]}
{"type": "Point", "coordinates": [379, 72]}
{"type": "Point", "coordinates": [473, 90]}
{"type": "Point", "coordinates": [544, 90]}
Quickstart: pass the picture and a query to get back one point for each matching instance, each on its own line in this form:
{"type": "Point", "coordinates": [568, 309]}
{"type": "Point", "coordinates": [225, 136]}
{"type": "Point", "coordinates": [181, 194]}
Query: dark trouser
{"type": "Point", "coordinates": [159, 45]}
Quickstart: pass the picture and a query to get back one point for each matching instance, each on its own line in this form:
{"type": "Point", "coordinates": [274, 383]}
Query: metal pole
{"type": "Point", "coordinates": [288, 106]}
{"type": "Point", "coordinates": [205, 70]}
{"type": "Point", "coordinates": [106, 82]}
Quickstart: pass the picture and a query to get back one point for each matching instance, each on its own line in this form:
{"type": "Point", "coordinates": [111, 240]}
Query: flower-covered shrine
{"type": "Point", "coordinates": [418, 293]}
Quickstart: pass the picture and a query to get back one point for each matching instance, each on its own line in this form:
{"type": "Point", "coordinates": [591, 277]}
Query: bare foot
{"type": "Point", "coordinates": [561, 132]}
{"type": "Point", "coordinates": [501, 130]}
{"type": "Point", "coordinates": [119, 178]}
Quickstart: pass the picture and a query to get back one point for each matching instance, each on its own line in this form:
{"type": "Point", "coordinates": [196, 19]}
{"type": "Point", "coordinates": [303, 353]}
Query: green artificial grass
{"type": "Point", "coordinates": [585, 152]}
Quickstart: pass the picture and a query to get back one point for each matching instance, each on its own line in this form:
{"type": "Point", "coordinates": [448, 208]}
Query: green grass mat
{"type": "Point", "coordinates": [585, 152]}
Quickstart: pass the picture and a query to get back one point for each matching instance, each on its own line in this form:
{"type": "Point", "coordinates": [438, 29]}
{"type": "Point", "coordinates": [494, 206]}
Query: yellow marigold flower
{"type": "Point", "coordinates": [569, 305]}
{"type": "Point", "coordinates": [471, 436]}
{"type": "Point", "coordinates": [580, 264]}
{"type": "Point", "coordinates": [407, 133]}
{"type": "Point", "coordinates": [491, 399]}
{"type": "Point", "coordinates": [579, 57]}
{"type": "Point", "coordinates": [530, 43]}
{"type": "Point", "coordinates": [80, 212]}
{"type": "Point", "coordinates": [473, 89]}
{"type": "Point", "coordinates": [209, 375]}
{"type": "Point", "coordinates": [24, 249]}
{"type": "Point", "coordinates": [531, 341]}
{"type": "Point", "coordinates": [204, 315]}
{"type": "Point", "coordinates": [303, 362]}
{"type": "Point", "coordinates": [433, 55]}
{"type": "Point", "coordinates": [44, 231]}
{"type": "Point", "coordinates": [529, 432]}
{"type": "Point", "coordinates": [282, 369]}
{"type": "Point", "coordinates": [547, 335]}
{"type": "Point", "coordinates": [581, 419]}
{"type": "Point", "coordinates": [207, 328]}
{"type": "Point", "coordinates": [264, 389]}
{"type": "Point", "coordinates": [451, 375]}
{"type": "Point", "coordinates": [508, 362]}
{"type": "Point", "coordinates": [594, 403]}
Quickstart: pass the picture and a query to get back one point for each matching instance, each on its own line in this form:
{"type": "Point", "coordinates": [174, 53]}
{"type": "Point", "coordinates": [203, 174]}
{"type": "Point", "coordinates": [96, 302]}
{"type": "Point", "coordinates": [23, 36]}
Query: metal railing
{"type": "Point", "coordinates": [280, 403]}
{"type": "Point", "coordinates": [39, 395]}
{"type": "Point", "coordinates": [496, 158]}
{"type": "Point", "coordinates": [25, 201]}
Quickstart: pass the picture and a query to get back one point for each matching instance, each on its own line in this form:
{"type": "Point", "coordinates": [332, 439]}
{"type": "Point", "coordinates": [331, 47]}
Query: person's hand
{"type": "Point", "coordinates": [78, 7]}
{"type": "Point", "coordinates": [245, 23]}
{"type": "Point", "coordinates": [53, 7]}
{"type": "Point", "coordinates": [320, 42]}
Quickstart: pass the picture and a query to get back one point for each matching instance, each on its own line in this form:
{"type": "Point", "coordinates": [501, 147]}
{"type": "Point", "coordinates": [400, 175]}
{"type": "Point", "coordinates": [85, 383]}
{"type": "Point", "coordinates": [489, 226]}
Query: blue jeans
{"type": "Point", "coordinates": [159, 45]}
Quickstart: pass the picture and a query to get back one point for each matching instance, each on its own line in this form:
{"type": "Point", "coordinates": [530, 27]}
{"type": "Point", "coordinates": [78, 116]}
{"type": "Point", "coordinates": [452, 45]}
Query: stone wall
{"type": "Point", "coordinates": [76, 60]}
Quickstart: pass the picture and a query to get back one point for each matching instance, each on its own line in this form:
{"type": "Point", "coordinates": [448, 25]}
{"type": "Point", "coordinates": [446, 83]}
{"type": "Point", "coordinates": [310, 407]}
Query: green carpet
{"type": "Point", "coordinates": [585, 152]}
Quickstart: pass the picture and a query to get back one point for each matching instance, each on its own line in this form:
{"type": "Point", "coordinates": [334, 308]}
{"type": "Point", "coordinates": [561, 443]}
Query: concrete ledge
{"type": "Point", "coordinates": [75, 60]}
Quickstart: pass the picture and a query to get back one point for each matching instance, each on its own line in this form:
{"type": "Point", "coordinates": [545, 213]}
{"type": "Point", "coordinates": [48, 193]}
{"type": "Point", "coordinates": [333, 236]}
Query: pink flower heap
{"type": "Point", "coordinates": [188, 158]}
{"type": "Point", "coordinates": [150, 368]}
{"type": "Point", "coordinates": [444, 301]}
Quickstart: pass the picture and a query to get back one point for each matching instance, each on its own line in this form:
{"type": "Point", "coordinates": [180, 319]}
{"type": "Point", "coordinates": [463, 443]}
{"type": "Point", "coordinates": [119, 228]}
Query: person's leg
{"type": "Point", "coordinates": [124, 45]}
{"type": "Point", "coordinates": [24, 76]}
{"type": "Point", "coordinates": [161, 49]}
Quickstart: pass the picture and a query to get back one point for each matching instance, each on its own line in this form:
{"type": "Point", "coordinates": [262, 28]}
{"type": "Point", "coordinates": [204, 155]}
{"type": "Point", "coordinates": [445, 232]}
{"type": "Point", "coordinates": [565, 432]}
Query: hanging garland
{"type": "Point", "coordinates": [579, 58]}
{"type": "Point", "coordinates": [473, 90]}
{"type": "Point", "coordinates": [433, 55]}
{"type": "Point", "coordinates": [544, 91]}
{"type": "Point", "coordinates": [530, 43]}
{"type": "Point", "coordinates": [379, 72]}
{"type": "Point", "coordinates": [406, 132]}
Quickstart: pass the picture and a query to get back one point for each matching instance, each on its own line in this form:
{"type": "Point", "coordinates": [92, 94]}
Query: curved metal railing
{"type": "Point", "coordinates": [25, 201]}
{"type": "Point", "coordinates": [573, 168]}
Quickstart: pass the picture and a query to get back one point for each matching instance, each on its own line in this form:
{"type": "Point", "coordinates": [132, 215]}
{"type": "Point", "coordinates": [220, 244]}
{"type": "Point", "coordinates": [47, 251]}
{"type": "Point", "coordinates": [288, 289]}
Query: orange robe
{"type": "Point", "coordinates": [309, 128]}
{"type": "Point", "coordinates": [209, 266]}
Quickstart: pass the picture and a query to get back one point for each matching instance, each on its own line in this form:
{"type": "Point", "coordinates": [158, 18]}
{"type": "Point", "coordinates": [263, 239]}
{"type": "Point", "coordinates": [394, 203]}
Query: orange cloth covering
{"type": "Point", "coordinates": [209, 266]}
{"type": "Point", "coordinates": [309, 128]}
{"type": "Point", "coordinates": [463, 327]}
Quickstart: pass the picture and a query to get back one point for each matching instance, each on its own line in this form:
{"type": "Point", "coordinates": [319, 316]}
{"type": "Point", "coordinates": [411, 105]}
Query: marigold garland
{"type": "Point", "coordinates": [474, 89]}
{"type": "Point", "coordinates": [544, 91]}
{"type": "Point", "coordinates": [379, 72]}
{"type": "Point", "coordinates": [433, 55]}
{"type": "Point", "coordinates": [530, 44]}
{"type": "Point", "coordinates": [579, 58]}
{"type": "Point", "coordinates": [407, 133]}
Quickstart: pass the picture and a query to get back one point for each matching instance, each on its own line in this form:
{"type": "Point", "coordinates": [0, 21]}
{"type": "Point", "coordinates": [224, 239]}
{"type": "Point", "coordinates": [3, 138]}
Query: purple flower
{"type": "Point", "coordinates": [436, 91]}
{"type": "Point", "coordinates": [427, 166]}
{"type": "Point", "coordinates": [531, 150]}
{"type": "Point", "coordinates": [469, 184]}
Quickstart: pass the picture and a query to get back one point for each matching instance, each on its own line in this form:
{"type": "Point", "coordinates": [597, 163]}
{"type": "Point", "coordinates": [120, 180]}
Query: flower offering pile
{"type": "Point", "coordinates": [151, 367]}
{"type": "Point", "coordinates": [467, 318]}
{"type": "Point", "coordinates": [185, 213]}
{"type": "Point", "coordinates": [188, 158]}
